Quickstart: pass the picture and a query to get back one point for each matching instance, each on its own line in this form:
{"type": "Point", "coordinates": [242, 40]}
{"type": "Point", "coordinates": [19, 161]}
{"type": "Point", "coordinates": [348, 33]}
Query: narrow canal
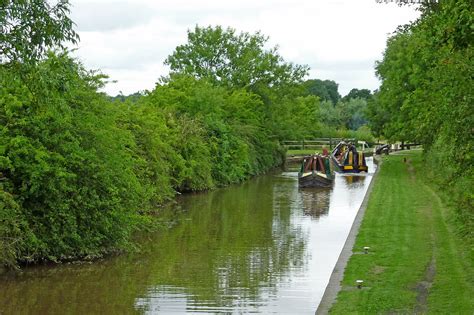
{"type": "Point", "coordinates": [261, 247]}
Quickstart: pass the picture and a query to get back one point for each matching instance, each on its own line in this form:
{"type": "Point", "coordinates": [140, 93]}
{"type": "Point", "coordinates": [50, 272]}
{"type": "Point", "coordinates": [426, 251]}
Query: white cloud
{"type": "Point", "coordinates": [339, 40]}
{"type": "Point", "coordinates": [130, 80]}
{"type": "Point", "coordinates": [105, 16]}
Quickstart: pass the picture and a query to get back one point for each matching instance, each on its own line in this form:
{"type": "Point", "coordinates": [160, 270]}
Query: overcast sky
{"type": "Point", "coordinates": [339, 39]}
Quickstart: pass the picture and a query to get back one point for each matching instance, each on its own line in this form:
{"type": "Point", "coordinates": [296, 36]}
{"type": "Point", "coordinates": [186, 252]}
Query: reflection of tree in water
{"type": "Point", "coordinates": [227, 249]}
{"type": "Point", "coordinates": [232, 251]}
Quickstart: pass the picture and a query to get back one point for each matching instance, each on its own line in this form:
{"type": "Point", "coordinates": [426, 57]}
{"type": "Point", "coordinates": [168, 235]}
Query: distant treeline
{"type": "Point", "coordinates": [426, 96]}
{"type": "Point", "coordinates": [81, 171]}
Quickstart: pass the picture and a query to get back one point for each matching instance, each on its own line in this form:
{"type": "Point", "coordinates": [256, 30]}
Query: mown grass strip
{"type": "Point", "coordinates": [303, 152]}
{"type": "Point", "coordinates": [416, 263]}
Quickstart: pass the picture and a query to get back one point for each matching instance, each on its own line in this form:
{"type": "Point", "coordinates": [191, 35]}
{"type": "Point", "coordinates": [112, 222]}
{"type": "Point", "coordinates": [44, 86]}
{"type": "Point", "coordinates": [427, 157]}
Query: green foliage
{"type": "Point", "coordinates": [69, 186]}
{"type": "Point", "coordinates": [348, 113]}
{"type": "Point", "coordinates": [241, 62]}
{"type": "Point", "coordinates": [326, 90]}
{"type": "Point", "coordinates": [12, 229]}
{"type": "Point", "coordinates": [81, 171]}
{"type": "Point", "coordinates": [29, 27]}
{"type": "Point", "coordinates": [363, 133]}
{"type": "Point", "coordinates": [356, 93]}
{"type": "Point", "coordinates": [426, 96]}
{"type": "Point", "coordinates": [233, 60]}
{"type": "Point", "coordinates": [346, 118]}
{"type": "Point", "coordinates": [352, 113]}
{"type": "Point", "coordinates": [377, 115]}
{"type": "Point", "coordinates": [222, 134]}
{"type": "Point", "coordinates": [153, 153]}
{"type": "Point", "coordinates": [329, 115]}
{"type": "Point", "coordinates": [123, 98]}
{"type": "Point", "coordinates": [296, 118]}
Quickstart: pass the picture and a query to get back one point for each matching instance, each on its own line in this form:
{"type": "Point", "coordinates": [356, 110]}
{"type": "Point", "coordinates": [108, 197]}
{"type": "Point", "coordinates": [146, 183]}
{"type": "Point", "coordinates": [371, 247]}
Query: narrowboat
{"type": "Point", "coordinates": [315, 172]}
{"type": "Point", "coordinates": [346, 159]}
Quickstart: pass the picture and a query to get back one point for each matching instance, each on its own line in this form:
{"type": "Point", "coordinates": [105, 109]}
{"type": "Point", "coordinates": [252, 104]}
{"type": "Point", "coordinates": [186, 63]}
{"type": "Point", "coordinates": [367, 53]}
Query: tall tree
{"type": "Point", "coordinates": [427, 96]}
{"type": "Point", "coordinates": [233, 60]}
{"type": "Point", "coordinates": [327, 90]}
{"type": "Point", "coordinates": [356, 93]}
{"type": "Point", "coordinates": [352, 113]}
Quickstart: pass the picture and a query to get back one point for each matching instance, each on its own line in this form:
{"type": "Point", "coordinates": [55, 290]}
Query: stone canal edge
{"type": "Point", "coordinates": [334, 285]}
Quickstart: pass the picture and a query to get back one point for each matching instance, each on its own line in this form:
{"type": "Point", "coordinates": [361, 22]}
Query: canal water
{"type": "Point", "coordinates": [264, 246]}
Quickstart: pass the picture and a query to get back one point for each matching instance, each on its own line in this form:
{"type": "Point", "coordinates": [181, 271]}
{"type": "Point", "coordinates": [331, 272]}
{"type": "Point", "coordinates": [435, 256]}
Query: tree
{"type": "Point", "coordinates": [329, 115]}
{"type": "Point", "coordinates": [352, 113]}
{"type": "Point", "coordinates": [233, 60]}
{"type": "Point", "coordinates": [356, 93]}
{"type": "Point", "coordinates": [377, 116]}
{"type": "Point", "coordinates": [426, 96]}
{"type": "Point", "coordinates": [29, 27]}
{"type": "Point", "coordinates": [135, 97]}
{"type": "Point", "coordinates": [327, 90]}
{"type": "Point", "coordinates": [296, 118]}
{"type": "Point", "coordinates": [222, 137]}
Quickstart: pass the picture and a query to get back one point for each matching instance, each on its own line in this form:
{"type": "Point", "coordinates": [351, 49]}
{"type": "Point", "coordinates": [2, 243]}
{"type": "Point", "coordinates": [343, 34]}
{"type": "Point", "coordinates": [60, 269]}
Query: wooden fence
{"type": "Point", "coordinates": [330, 143]}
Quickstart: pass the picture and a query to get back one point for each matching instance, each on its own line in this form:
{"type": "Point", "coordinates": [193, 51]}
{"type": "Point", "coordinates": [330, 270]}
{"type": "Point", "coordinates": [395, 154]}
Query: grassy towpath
{"type": "Point", "coordinates": [416, 263]}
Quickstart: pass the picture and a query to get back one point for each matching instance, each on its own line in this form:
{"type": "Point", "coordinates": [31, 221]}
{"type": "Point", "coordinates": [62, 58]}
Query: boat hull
{"type": "Point", "coordinates": [348, 168]}
{"type": "Point", "coordinates": [314, 179]}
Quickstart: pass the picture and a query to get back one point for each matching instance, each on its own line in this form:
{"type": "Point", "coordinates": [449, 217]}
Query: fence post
{"type": "Point", "coordinates": [303, 144]}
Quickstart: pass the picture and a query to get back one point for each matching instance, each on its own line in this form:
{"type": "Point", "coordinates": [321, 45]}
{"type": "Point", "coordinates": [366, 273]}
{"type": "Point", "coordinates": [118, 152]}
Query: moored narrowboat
{"type": "Point", "coordinates": [315, 172]}
{"type": "Point", "coordinates": [346, 159]}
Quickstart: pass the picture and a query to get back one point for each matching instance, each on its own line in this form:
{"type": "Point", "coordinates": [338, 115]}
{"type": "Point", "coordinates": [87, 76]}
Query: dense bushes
{"type": "Point", "coordinates": [70, 186]}
{"type": "Point", "coordinates": [206, 136]}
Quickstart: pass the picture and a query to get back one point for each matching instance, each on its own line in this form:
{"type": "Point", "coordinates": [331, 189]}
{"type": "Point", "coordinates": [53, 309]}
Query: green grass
{"type": "Point", "coordinates": [303, 152]}
{"type": "Point", "coordinates": [412, 243]}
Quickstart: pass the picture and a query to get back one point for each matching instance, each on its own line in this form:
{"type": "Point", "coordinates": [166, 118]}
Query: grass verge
{"type": "Point", "coordinates": [416, 263]}
{"type": "Point", "coordinates": [303, 152]}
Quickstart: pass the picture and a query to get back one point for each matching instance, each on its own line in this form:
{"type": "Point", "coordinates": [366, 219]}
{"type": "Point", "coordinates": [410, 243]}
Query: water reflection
{"type": "Point", "coordinates": [264, 246]}
{"type": "Point", "coordinates": [353, 179]}
{"type": "Point", "coordinates": [315, 202]}
{"type": "Point", "coordinates": [233, 251]}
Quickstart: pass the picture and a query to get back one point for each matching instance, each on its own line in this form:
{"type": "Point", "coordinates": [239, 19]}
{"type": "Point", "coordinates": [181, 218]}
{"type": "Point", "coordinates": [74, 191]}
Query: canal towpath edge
{"type": "Point", "coordinates": [334, 284]}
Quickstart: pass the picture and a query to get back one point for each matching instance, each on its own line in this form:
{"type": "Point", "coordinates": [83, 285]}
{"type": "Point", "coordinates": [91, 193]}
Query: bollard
{"type": "Point", "coordinates": [366, 249]}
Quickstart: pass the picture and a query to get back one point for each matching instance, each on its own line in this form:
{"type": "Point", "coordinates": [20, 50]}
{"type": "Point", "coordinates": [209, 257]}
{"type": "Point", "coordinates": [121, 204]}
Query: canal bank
{"type": "Point", "coordinates": [416, 262]}
{"type": "Point", "coordinates": [334, 285]}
